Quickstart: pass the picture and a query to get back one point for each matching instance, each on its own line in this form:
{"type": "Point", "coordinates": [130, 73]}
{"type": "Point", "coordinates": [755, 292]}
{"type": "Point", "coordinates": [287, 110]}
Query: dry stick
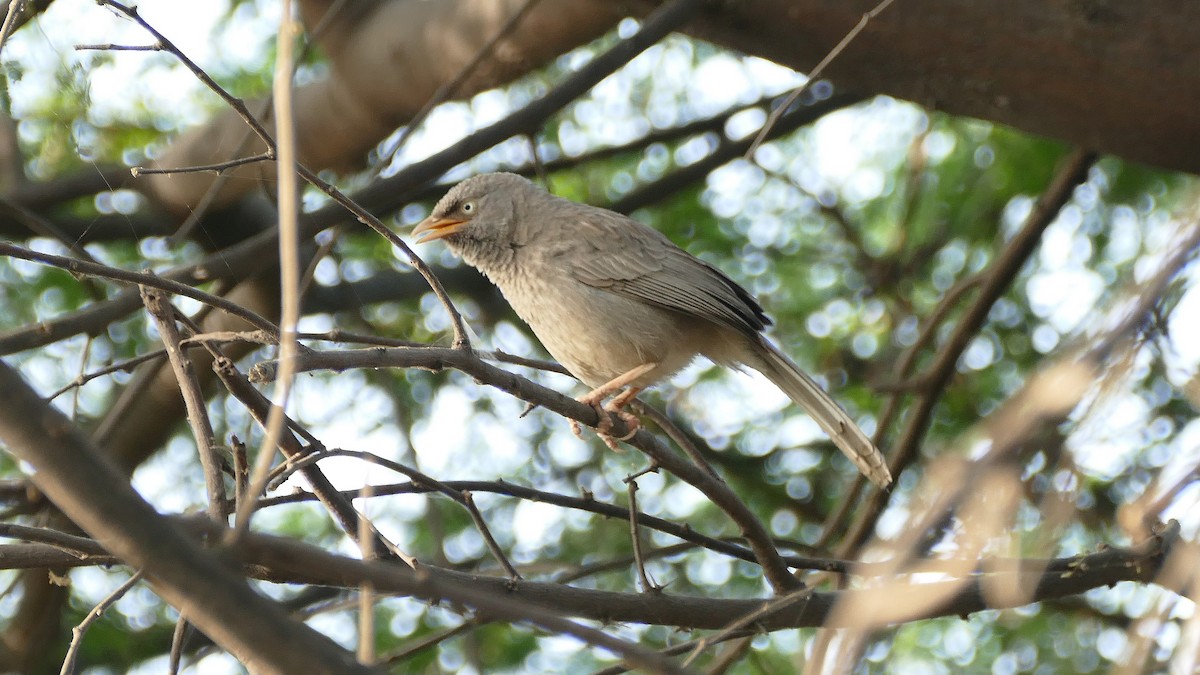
{"type": "Point", "coordinates": [731, 656]}
{"type": "Point", "coordinates": [797, 597]}
{"type": "Point", "coordinates": [927, 513]}
{"type": "Point", "coordinates": [214, 190]}
{"type": "Point", "coordinates": [450, 88]}
{"type": "Point", "coordinates": [178, 636]}
{"type": "Point", "coordinates": [241, 472]}
{"type": "Point", "coordinates": [92, 493]}
{"type": "Point", "coordinates": [80, 547]}
{"type": "Point", "coordinates": [288, 201]}
{"type": "Point", "coordinates": [112, 47]}
{"type": "Point", "coordinates": [92, 616]}
{"type": "Point", "coordinates": [240, 108]}
{"type": "Point", "coordinates": [366, 592]}
{"type": "Point", "coordinates": [42, 557]}
{"type": "Point", "coordinates": [648, 586]}
{"type": "Point", "coordinates": [95, 317]}
{"type": "Point", "coordinates": [681, 439]}
{"type": "Point", "coordinates": [404, 653]}
{"type": "Point", "coordinates": [121, 366]}
{"type": "Point", "coordinates": [84, 355]}
{"type": "Point", "coordinates": [15, 9]}
{"type": "Point", "coordinates": [217, 167]}
{"type": "Point", "coordinates": [481, 525]}
{"type": "Point", "coordinates": [496, 605]}
{"type": "Point", "coordinates": [623, 563]}
{"type": "Point", "coordinates": [673, 650]}
{"type": "Point", "coordinates": [232, 101]}
{"type": "Point", "coordinates": [163, 314]}
{"type": "Point", "coordinates": [539, 168]}
{"type": "Point", "coordinates": [813, 75]}
{"type": "Point", "coordinates": [1178, 575]}
{"type": "Point", "coordinates": [462, 497]}
{"type": "Point", "coordinates": [338, 504]}
{"type": "Point", "coordinates": [283, 560]}
{"type": "Point", "coordinates": [591, 505]}
{"type": "Point", "coordinates": [1072, 172]}
{"type": "Point", "coordinates": [1046, 400]}
{"type": "Point", "coordinates": [433, 358]}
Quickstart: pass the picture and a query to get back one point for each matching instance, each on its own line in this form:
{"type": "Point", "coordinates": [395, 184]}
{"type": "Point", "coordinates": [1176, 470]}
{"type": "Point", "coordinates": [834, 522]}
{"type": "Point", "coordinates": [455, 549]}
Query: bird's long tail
{"type": "Point", "coordinates": [799, 387]}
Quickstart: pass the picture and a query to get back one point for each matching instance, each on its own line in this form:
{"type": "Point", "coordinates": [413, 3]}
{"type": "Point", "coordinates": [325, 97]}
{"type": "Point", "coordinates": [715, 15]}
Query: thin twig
{"type": "Point", "coordinates": [241, 472]}
{"type": "Point", "coordinates": [461, 340]}
{"type": "Point", "coordinates": [404, 653]}
{"type": "Point", "coordinates": [366, 590]}
{"type": "Point", "coordinates": [217, 167]}
{"type": "Point", "coordinates": [288, 202]}
{"type": "Point", "coordinates": [591, 505]}
{"type": "Point", "coordinates": [232, 101]}
{"type": "Point", "coordinates": [434, 358]}
{"type": "Point", "coordinates": [126, 366]}
{"type": "Point", "coordinates": [179, 636]}
{"type": "Point", "coordinates": [648, 586]}
{"type": "Point", "coordinates": [139, 278]}
{"type": "Point", "coordinates": [681, 439]}
{"type": "Point", "coordinates": [451, 87]}
{"type": "Point", "coordinates": [732, 655]}
{"type": "Point", "coordinates": [1071, 173]}
{"type": "Point", "coordinates": [813, 76]}
{"type": "Point", "coordinates": [339, 505]}
{"type": "Point", "coordinates": [799, 596]}
{"type": "Point", "coordinates": [462, 497]}
{"type": "Point", "coordinates": [96, 612]}
{"type": "Point", "coordinates": [163, 314]}
{"type": "Point", "coordinates": [15, 9]}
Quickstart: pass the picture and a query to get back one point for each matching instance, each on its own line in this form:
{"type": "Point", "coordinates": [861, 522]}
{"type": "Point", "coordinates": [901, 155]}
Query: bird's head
{"type": "Point", "coordinates": [478, 211]}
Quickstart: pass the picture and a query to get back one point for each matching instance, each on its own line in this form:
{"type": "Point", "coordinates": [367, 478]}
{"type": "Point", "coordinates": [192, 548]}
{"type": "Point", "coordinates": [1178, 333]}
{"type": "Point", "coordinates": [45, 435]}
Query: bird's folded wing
{"type": "Point", "coordinates": [626, 257]}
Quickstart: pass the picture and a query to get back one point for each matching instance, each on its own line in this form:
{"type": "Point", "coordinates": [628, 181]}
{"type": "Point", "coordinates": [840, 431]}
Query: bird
{"type": "Point", "coordinates": [618, 304]}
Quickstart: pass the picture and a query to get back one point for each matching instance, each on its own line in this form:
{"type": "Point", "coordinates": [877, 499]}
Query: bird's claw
{"type": "Point", "coordinates": [632, 423]}
{"type": "Point", "coordinates": [604, 423]}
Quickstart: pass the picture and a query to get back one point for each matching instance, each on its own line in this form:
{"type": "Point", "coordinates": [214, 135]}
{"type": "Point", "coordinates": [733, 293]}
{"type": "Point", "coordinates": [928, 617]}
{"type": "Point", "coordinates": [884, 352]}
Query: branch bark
{"type": "Point", "coordinates": [70, 470]}
{"type": "Point", "coordinates": [286, 560]}
{"type": "Point", "coordinates": [1103, 75]}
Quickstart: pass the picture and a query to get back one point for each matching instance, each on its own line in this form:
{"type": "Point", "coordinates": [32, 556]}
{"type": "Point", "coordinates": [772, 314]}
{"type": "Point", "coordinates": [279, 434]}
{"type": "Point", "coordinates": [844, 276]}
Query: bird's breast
{"type": "Point", "coordinates": [594, 333]}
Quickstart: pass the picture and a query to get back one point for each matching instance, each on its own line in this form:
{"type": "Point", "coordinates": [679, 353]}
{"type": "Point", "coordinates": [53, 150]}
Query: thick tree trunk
{"type": "Point", "coordinates": [1116, 77]}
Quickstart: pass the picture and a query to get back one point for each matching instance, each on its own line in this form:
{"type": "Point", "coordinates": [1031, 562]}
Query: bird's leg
{"type": "Point", "coordinates": [595, 396]}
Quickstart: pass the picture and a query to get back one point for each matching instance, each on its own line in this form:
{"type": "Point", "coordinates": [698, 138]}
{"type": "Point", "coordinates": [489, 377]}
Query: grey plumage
{"type": "Point", "coordinates": [606, 294]}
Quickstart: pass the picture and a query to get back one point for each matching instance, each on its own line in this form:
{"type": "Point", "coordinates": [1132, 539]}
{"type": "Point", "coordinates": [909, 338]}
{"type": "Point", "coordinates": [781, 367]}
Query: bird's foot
{"type": "Point", "coordinates": [632, 423]}
{"type": "Point", "coordinates": [603, 419]}
{"type": "Point", "coordinates": [604, 422]}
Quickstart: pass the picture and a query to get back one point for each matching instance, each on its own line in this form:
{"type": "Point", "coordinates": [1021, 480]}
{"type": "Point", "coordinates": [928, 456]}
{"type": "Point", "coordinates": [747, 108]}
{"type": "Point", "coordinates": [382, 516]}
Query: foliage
{"type": "Point", "coordinates": [855, 232]}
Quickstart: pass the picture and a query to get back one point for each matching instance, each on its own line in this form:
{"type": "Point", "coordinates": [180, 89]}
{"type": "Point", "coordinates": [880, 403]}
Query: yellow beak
{"type": "Point", "coordinates": [436, 228]}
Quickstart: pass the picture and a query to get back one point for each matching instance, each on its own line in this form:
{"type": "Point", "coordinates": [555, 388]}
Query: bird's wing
{"type": "Point", "coordinates": [623, 256]}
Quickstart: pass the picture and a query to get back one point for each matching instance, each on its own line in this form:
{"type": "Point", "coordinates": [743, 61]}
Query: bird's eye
{"type": "Point", "coordinates": [468, 207]}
